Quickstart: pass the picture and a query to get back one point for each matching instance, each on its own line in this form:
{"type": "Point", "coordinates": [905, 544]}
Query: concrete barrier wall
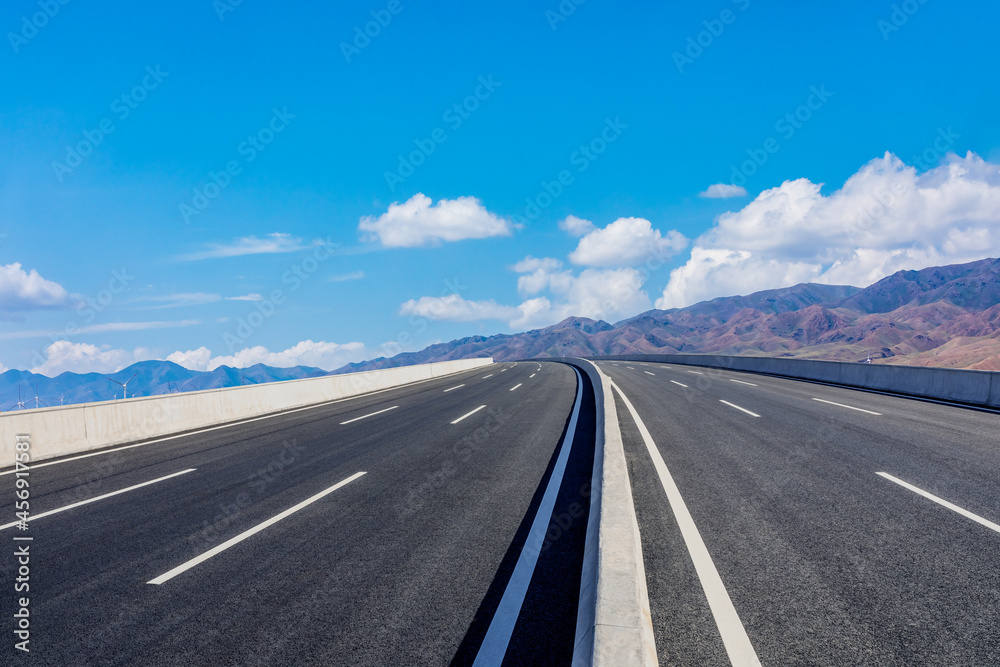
{"type": "Point", "coordinates": [77, 428]}
{"type": "Point", "coordinates": [981, 388]}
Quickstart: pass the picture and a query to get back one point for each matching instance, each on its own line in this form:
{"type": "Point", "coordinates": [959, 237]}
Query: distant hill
{"type": "Point", "coordinates": [939, 316]}
{"type": "Point", "coordinates": [151, 378]}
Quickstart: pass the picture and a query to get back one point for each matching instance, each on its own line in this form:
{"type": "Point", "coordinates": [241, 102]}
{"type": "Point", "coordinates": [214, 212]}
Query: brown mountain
{"type": "Point", "coordinates": [939, 316]}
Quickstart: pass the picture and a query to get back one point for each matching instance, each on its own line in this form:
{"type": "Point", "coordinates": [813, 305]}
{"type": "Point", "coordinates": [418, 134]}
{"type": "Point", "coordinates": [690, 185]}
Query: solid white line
{"type": "Point", "coordinates": [35, 517]}
{"type": "Point", "coordinates": [369, 415]}
{"type": "Point", "coordinates": [454, 388]}
{"type": "Point", "coordinates": [941, 501]}
{"type": "Point", "coordinates": [733, 405]}
{"type": "Point", "coordinates": [734, 636]}
{"type": "Point", "coordinates": [494, 646]}
{"type": "Point", "coordinates": [469, 414]}
{"type": "Point", "coordinates": [516, 386]}
{"type": "Point", "coordinates": [695, 372]}
{"type": "Point", "coordinates": [742, 382]}
{"type": "Point", "coordinates": [679, 383]}
{"type": "Point", "coordinates": [849, 407]}
{"type": "Point", "coordinates": [216, 428]}
{"type": "Point", "coordinates": [488, 376]}
{"type": "Point", "coordinates": [167, 576]}
{"type": "Point", "coordinates": [532, 375]}
{"type": "Point", "coordinates": [648, 373]}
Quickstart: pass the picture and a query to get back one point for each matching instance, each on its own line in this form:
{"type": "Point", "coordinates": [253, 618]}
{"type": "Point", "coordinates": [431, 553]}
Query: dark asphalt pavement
{"type": "Point", "coordinates": [398, 567]}
{"type": "Point", "coordinates": [826, 562]}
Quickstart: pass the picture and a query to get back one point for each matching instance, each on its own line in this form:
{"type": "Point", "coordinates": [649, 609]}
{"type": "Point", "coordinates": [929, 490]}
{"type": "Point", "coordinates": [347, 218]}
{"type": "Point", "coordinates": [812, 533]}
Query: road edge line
{"type": "Point", "coordinates": [734, 636]}
{"type": "Point", "coordinates": [493, 650]}
{"type": "Point", "coordinates": [614, 625]}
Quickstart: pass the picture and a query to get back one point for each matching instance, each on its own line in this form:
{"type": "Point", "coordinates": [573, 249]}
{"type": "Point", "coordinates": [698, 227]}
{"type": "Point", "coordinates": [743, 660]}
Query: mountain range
{"type": "Point", "coordinates": [940, 316]}
{"type": "Point", "coordinates": [150, 378]}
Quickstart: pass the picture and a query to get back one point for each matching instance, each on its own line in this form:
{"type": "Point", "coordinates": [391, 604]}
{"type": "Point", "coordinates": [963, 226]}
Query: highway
{"type": "Point", "coordinates": [382, 529]}
{"type": "Point", "coordinates": [782, 522]}
{"type": "Point", "coordinates": [844, 527]}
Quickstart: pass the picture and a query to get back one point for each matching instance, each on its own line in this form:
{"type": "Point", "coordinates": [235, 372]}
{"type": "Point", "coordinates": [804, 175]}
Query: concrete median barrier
{"type": "Point", "coordinates": [613, 620]}
{"type": "Point", "coordinates": [77, 428]}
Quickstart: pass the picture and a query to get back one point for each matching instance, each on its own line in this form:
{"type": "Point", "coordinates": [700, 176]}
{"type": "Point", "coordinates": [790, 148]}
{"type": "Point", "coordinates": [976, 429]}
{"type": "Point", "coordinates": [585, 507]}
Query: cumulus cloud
{"type": "Point", "coordinates": [196, 360]}
{"type": "Point", "coordinates": [328, 356]}
{"type": "Point", "coordinates": [26, 290]}
{"type": "Point", "coordinates": [456, 309]}
{"type": "Point", "coordinates": [538, 273]}
{"type": "Point", "coordinates": [250, 245]}
{"type": "Point", "coordinates": [600, 294]}
{"type": "Point", "coordinates": [609, 288]}
{"type": "Point", "coordinates": [62, 356]}
{"type": "Point", "coordinates": [723, 191]}
{"type": "Point", "coordinates": [420, 222]}
{"type": "Point", "coordinates": [576, 226]}
{"type": "Point", "coordinates": [885, 218]}
{"type": "Point", "coordinates": [626, 242]}
{"type": "Point", "coordinates": [608, 294]}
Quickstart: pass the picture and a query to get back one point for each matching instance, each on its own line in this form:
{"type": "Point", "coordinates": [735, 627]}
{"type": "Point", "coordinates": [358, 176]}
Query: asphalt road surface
{"type": "Point", "coordinates": [379, 530]}
{"type": "Point", "coordinates": [823, 560]}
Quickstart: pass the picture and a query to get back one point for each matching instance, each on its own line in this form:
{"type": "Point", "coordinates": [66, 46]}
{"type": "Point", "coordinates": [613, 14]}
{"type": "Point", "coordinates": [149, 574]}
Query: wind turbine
{"type": "Point", "coordinates": [123, 386]}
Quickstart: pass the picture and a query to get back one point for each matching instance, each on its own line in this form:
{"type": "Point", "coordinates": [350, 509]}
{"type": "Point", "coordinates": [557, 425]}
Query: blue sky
{"type": "Point", "coordinates": [864, 135]}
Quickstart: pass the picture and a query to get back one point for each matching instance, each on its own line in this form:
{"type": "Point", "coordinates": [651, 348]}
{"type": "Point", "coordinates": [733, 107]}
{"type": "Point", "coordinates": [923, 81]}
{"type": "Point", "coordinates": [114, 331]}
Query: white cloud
{"type": "Point", "coordinates": [418, 222]}
{"type": "Point", "coordinates": [529, 264]}
{"type": "Point", "coordinates": [539, 273]}
{"type": "Point", "coordinates": [182, 299]}
{"type": "Point", "coordinates": [608, 294]}
{"type": "Point", "coordinates": [249, 245]}
{"type": "Point", "coordinates": [195, 299]}
{"type": "Point", "coordinates": [627, 242]}
{"type": "Point", "coordinates": [135, 326]}
{"type": "Point", "coordinates": [99, 328]}
{"type": "Point", "coordinates": [576, 226]}
{"type": "Point", "coordinates": [3, 369]}
{"type": "Point", "coordinates": [27, 290]}
{"type": "Point", "coordinates": [328, 356]}
{"type": "Point", "coordinates": [723, 191]}
{"type": "Point", "coordinates": [196, 360]}
{"type": "Point", "coordinates": [885, 218]}
{"type": "Point", "coordinates": [62, 356]}
{"type": "Point", "coordinates": [600, 294]}
{"type": "Point", "coordinates": [456, 309]}
{"type": "Point", "coordinates": [344, 277]}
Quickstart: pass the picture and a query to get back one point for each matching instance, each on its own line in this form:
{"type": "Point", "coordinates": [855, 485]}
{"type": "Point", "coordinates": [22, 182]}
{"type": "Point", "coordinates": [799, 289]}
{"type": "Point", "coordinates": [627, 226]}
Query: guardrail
{"type": "Point", "coordinates": [77, 428]}
{"type": "Point", "coordinates": [971, 387]}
